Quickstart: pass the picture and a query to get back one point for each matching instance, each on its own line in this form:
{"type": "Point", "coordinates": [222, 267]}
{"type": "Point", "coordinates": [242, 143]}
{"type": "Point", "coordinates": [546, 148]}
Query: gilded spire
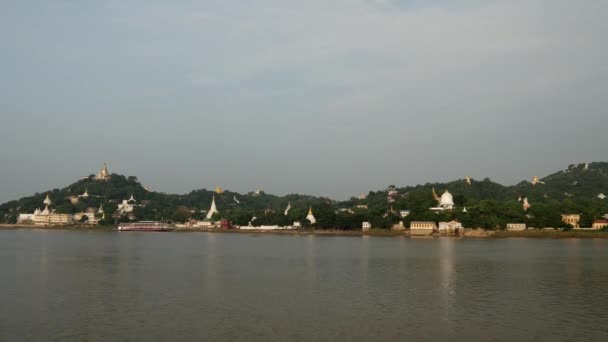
{"type": "Point", "coordinates": [435, 195]}
{"type": "Point", "coordinates": [103, 174]}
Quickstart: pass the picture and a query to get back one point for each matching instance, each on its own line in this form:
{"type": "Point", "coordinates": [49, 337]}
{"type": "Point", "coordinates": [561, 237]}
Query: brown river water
{"type": "Point", "coordinates": [109, 286]}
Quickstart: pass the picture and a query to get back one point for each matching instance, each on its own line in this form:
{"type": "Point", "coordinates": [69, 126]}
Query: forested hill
{"type": "Point", "coordinates": [489, 204]}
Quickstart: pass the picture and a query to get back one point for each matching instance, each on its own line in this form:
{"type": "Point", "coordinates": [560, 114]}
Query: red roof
{"type": "Point", "coordinates": [600, 221]}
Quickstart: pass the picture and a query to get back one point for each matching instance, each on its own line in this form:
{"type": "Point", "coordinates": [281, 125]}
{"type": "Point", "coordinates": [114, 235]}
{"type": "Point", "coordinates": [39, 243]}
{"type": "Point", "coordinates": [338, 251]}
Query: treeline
{"type": "Point", "coordinates": [489, 205]}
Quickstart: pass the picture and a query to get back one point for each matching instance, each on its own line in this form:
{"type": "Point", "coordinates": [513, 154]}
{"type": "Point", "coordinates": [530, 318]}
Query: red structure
{"type": "Point", "coordinates": [225, 224]}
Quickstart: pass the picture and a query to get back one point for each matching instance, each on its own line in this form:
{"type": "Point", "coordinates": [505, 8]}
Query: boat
{"type": "Point", "coordinates": [144, 226]}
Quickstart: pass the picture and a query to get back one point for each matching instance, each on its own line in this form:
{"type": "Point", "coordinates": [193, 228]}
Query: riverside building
{"type": "Point", "coordinates": [572, 219]}
{"type": "Point", "coordinates": [422, 227]}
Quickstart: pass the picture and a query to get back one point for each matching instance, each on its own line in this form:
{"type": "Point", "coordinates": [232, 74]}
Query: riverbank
{"type": "Point", "coordinates": [468, 233]}
{"type": "Point", "coordinates": [553, 234]}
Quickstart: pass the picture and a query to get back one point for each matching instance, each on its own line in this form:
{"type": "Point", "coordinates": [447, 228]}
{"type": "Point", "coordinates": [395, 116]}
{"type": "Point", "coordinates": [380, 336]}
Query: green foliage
{"type": "Point", "coordinates": [489, 204]}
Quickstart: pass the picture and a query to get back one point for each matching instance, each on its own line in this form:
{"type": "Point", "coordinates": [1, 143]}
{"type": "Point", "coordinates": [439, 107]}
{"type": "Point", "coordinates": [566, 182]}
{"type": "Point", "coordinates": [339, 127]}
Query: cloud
{"type": "Point", "coordinates": [404, 82]}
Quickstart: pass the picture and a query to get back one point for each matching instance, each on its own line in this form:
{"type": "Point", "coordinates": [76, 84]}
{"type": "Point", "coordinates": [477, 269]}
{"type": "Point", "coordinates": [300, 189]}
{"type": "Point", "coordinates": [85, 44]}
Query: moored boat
{"type": "Point", "coordinates": [144, 226]}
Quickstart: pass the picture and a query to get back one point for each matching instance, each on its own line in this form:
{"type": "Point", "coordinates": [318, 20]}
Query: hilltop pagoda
{"type": "Point", "coordinates": [103, 175]}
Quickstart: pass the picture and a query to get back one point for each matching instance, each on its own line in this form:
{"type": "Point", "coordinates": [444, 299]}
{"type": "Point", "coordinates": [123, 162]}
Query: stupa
{"type": "Point", "coordinates": [212, 210]}
{"type": "Point", "coordinates": [310, 217]}
{"type": "Point", "coordinates": [103, 175]}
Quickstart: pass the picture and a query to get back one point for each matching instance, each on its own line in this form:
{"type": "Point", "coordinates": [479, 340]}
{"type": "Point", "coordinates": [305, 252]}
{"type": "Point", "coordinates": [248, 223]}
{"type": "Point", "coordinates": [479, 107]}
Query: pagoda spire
{"type": "Point", "coordinates": [435, 195]}
{"type": "Point", "coordinates": [311, 217]}
{"type": "Point", "coordinates": [104, 174]}
{"type": "Point", "coordinates": [47, 201]}
{"type": "Point", "coordinates": [213, 209]}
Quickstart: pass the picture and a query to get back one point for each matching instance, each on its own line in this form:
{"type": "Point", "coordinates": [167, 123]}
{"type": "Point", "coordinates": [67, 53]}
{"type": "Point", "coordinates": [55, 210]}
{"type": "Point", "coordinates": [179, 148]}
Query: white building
{"type": "Point", "coordinates": [599, 224]}
{"type": "Point", "coordinates": [422, 227]}
{"type": "Point", "coordinates": [404, 213]}
{"type": "Point", "coordinates": [46, 217]}
{"type": "Point", "coordinates": [275, 227]}
{"type": "Point", "coordinates": [52, 219]}
{"type": "Point", "coordinates": [516, 226]}
{"type": "Point", "coordinates": [451, 227]}
{"type": "Point", "coordinates": [25, 218]}
{"type": "Point", "coordinates": [366, 226]}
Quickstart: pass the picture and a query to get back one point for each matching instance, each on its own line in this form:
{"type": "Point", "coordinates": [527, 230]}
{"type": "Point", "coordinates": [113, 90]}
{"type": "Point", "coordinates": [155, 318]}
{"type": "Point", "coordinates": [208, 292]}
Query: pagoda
{"type": "Point", "coordinates": [213, 209]}
{"type": "Point", "coordinates": [47, 201]}
{"type": "Point", "coordinates": [311, 217]}
{"type": "Point", "coordinates": [103, 175]}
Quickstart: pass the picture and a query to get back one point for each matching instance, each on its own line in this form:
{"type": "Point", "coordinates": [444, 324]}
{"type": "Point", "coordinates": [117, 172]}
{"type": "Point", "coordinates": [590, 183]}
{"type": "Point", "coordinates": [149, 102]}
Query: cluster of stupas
{"type": "Point", "coordinates": [214, 210]}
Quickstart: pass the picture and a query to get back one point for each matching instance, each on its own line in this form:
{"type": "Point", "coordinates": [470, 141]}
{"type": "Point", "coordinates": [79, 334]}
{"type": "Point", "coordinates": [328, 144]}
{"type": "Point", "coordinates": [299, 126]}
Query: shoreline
{"type": "Point", "coordinates": [469, 233]}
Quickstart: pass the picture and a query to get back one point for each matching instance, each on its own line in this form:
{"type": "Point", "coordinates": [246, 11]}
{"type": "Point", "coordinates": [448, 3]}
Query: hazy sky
{"type": "Point", "coordinates": [317, 96]}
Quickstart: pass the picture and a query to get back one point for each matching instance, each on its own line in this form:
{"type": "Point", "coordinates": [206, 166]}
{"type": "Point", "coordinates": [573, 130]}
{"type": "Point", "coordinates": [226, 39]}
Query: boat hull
{"type": "Point", "coordinates": [144, 227]}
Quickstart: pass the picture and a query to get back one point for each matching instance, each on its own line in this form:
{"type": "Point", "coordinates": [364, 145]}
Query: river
{"type": "Point", "coordinates": [108, 286]}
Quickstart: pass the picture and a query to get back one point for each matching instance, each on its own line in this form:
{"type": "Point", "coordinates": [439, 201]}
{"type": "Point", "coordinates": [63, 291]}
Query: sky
{"type": "Point", "coordinates": [322, 97]}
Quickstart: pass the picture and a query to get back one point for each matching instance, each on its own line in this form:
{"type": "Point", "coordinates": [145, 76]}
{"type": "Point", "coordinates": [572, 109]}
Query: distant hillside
{"type": "Point", "coordinates": [488, 204]}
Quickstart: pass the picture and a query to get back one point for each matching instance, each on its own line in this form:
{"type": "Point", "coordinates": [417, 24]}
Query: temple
{"type": "Point", "coordinates": [310, 217]}
{"type": "Point", "coordinates": [219, 190]}
{"type": "Point", "coordinates": [46, 217]}
{"type": "Point", "coordinates": [103, 175]}
{"type": "Point", "coordinates": [445, 202]}
{"type": "Point", "coordinates": [213, 210]}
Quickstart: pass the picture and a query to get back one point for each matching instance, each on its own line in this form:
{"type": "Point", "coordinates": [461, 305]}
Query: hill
{"type": "Point", "coordinates": [488, 204]}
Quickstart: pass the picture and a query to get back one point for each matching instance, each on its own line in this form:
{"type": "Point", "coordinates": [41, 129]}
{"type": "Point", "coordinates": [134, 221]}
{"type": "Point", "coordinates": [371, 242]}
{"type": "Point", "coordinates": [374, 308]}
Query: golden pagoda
{"type": "Point", "coordinates": [537, 180]}
{"type": "Point", "coordinates": [435, 195]}
{"type": "Point", "coordinates": [103, 174]}
{"type": "Point", "coordinates": [219, 190]}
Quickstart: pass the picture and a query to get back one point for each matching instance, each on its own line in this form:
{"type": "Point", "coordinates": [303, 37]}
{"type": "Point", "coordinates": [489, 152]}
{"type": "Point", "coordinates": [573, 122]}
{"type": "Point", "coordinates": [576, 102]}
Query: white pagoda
{"type": "Point", "coordinates": [445, 202]}
{"type": "Point", "coordinates": [212, 210]}
{"type": "Point", "coordinates": [310, 217]}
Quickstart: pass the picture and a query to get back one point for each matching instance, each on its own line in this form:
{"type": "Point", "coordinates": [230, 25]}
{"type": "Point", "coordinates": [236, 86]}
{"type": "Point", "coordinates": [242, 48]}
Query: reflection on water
{"type": "Point", "coordinates": [77, 286]}
{"type": "Point", "coordinates": [447, 274]}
